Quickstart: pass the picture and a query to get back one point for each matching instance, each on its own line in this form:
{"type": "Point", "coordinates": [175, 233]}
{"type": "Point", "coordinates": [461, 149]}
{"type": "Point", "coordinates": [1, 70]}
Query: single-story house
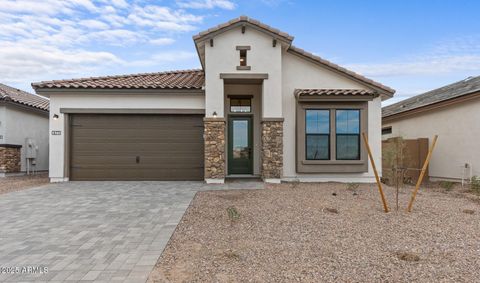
{"type": "Point", "coordinates": [453, 113]}
{"type": "Point", "coordinates": [259, 107]}
{"type": "Point", "coordinates": [23, 131]}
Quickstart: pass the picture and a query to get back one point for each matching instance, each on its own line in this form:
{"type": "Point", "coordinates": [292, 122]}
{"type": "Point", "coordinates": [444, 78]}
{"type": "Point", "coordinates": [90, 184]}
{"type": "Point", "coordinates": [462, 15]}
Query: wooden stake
{"type": "Point", "coordinates": [384, 201]}
{"type": "Point", "coordinates": [422, 174]}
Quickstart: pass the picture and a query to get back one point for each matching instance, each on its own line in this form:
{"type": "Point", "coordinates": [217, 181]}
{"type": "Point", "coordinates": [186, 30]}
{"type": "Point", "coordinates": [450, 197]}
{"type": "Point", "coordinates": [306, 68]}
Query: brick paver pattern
{"type": "Point", "coordinates": [92, 231]}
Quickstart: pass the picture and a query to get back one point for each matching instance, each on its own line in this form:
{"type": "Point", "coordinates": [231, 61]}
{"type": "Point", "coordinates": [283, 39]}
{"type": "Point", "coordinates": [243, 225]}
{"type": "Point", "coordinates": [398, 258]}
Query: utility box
{"type": "Point", "coordinates": [31, 148]}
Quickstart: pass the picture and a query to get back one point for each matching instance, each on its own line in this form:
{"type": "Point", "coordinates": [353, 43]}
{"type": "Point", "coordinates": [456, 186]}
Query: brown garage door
{"type": "Point", "coordinates": [136, 147]}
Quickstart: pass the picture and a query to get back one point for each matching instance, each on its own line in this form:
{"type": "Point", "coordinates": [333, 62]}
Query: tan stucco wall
{"type": "Point", "coordinates": [458, 129]}
{"type": "Point", "coordinates": [21, 124]}
{"type": "Point", "coordinates": [300, 73]}
{"type": "Point", "coordinates": [96, 101]}
{"type": "Point", "coordinates": [224, 58]}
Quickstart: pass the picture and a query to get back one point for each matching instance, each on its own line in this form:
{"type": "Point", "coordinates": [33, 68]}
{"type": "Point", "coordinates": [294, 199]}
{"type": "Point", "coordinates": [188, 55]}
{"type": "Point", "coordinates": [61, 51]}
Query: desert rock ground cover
{"type": "Point", "coordinates": [324, 233]}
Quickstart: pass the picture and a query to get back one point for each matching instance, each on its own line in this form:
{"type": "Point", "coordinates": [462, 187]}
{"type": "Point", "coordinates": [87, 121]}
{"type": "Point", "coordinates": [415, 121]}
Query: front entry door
{"type": "Point", "coordinates": [240, 150]}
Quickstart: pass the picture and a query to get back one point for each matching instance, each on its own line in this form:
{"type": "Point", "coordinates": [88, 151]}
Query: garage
{"type": "Point", "coordinates": [126, 147]}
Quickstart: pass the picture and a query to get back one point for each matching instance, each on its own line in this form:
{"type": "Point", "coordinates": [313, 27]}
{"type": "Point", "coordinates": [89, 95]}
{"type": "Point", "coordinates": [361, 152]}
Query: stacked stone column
{"type": "Point", "coordinates": [10, 158]}
{"type": "Point", "coordinates": [272, 149]}
{"type": "Point", "coordinates": [214, 135]}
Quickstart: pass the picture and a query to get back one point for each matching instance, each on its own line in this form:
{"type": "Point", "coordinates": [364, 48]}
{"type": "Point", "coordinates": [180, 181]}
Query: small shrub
{"type": "Point", "coordinates": [352, 186]}
{"type": "Point", "coordinates": [448, 186]}
{"type": "Point", "coordinates": [233, 213]}
{"type": "Point", "coordinates": [475, 184]}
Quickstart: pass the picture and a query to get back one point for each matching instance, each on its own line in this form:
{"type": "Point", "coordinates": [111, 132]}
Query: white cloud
{"type": "Point", "coordinates": [162, 41]}
{"type": "Point", "coordinates": [22, 63]}
{"type": "Point", "coordinates": [420, 66]}
{"type": "Point", "coordinates": [207, 4]}
{"type": "Point", "coordinates": [163, 18]}
{"type": "Point", "coordinates": [94, 24]}
{"type": "Point", "coordinates": [454, 55]}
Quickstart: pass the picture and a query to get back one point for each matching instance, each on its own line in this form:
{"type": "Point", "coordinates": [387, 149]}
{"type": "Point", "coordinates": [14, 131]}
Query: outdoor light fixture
{"type": "Point", "coordinates": [214, 114]}
{"type": "Point", "coordinates": [55, 117]}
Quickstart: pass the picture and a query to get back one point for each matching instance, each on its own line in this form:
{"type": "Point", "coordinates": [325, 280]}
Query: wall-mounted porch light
{"type": "Point", "coordinates": [55, 116]}
{"type": "Point", "coordinates": [214, 114]}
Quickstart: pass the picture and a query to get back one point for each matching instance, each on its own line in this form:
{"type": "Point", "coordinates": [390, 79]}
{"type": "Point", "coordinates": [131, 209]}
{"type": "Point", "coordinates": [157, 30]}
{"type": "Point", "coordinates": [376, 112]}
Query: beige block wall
{"type": "Point", "coordinates": [458, 130]}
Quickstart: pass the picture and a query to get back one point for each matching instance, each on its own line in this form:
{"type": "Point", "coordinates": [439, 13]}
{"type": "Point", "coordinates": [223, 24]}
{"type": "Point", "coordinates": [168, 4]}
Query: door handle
{"type": "Point", "coordinates": [137, 159]}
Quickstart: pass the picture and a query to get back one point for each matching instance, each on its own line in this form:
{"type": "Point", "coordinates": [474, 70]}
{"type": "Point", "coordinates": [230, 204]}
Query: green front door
{"type": "Point", "coordinates": [240, 150]}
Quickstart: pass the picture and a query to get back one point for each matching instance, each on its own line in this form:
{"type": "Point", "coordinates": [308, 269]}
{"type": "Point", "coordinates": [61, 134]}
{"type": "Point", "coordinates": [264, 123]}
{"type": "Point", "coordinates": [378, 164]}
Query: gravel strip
{"type": "Point", "coordinates": [11, 184]}
{"type": "Point", "coordinates": [323, 233]}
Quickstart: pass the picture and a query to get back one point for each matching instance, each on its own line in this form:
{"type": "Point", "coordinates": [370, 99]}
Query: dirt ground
{"type": "Point", "coordinates": [324, 233]}
{"type": "Point", "coordinates": [10, 184]}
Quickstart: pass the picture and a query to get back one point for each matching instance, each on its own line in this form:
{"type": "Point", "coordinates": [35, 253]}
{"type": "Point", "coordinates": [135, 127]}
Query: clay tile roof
{"type": "Point", "coordinates": [248, 20]}
{"type": "Point", "coordinates": [14, 95]}
{"type": "Point", "coordinates": [184, 79]}
{"type": "Point", "coordinates": [332, 92]}
{"type": "Point", "coordinates": [327, 63]}
{"type": "Point", "coordinates": [464, 87]}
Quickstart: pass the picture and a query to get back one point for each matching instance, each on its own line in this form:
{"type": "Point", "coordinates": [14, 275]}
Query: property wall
{"type": "Point", "coordinates": [224, 58]}
{"type": "Point", "coordinates": [86, 100]}
{"type": "Point", "coordinates": [2, 124]}
{"type": "Point", "coordinates": [458, 129]}
{"type": "Point", "coordinates": [256, 91]}
{"type": "Point", "coordinates": [20, 124]}
{"type": "Point", "coordinates": [300, 73]}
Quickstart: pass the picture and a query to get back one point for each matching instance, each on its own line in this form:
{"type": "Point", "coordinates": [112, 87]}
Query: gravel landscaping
{"type": "Point", "coordinates": [16, 183]}
{"type": "Point", "coordinates": [324, 233]}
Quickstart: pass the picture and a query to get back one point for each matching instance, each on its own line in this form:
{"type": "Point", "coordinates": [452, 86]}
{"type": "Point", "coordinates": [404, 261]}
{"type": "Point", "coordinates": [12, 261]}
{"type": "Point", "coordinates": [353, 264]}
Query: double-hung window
{"type": "Point", "coordinates": [317, 130]}
{"type": "Point", "coordinates": [347, 139]}
{"type": "Point", "coordinates": [328, 137]}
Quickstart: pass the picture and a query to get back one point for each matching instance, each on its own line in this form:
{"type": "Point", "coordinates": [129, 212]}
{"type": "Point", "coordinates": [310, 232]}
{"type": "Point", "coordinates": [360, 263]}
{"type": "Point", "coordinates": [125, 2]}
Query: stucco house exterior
{"type": "Point", "coordinates": [259, 107]}
{"type": "Point", "coordinates": [453, 113]}
{"type": "Point", "coordinates": [23, 131]}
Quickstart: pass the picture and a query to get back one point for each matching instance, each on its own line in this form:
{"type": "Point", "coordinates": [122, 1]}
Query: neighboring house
{"type": "Point", "coordinates": [23, 131]}
{"type": "Point", "coordinates": [258, 107]}
{"type": "Point", "coordinates": [453, 113]}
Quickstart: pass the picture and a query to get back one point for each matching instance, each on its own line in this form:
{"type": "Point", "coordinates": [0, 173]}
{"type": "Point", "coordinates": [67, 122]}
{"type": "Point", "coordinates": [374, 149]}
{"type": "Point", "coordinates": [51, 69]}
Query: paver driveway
{"type": "Point", "coordinates": [93, 231]}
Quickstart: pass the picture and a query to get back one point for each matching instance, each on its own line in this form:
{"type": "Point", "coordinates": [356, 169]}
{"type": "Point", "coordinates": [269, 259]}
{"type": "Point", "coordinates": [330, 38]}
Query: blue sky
{"type": "Point", "coordinates": [410, 45]}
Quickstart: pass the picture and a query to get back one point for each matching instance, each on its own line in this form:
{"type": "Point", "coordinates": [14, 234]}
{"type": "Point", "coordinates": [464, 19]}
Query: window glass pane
{"type": "Point", "coordinates": [317, 121]}
{"type": "Point", "coordinates": [242, 105]}
{"type": "Point", "coordinates": [317, 147]}
{"type": "Point", "coordinates": [348, 147]}
{"type": "Point", "coordinates": [348, 121]}
{"type": "Point", "coordinates": [240, 139]}
{"type": "Point", "coordinates": [243, 57]}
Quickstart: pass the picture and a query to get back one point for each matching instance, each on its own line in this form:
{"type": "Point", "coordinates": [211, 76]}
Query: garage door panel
{"type": "Point", "coordinates": [86, 174]}
{"type": "Point", "coordinates": [106, 147]}
{"type": "Point", "coordinates": [110, 147]}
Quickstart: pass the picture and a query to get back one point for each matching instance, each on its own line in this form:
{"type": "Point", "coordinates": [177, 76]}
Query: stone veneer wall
{"type": "Point", "coordinates": [10, 158]}
{"type": "Point", "coordinates": [214, 136]}
{"type": "Point", "coordinates": [272, 149]}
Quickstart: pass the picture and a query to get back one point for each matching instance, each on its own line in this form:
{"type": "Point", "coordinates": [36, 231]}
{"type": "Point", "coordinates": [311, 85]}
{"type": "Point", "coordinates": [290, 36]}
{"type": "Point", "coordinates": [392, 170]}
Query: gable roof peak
{"type": "Point", "coordinates": [243, 20]}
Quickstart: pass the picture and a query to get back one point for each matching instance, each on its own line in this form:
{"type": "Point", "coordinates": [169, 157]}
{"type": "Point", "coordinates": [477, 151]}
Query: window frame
{"type": "Point", "coordinates": [240, 98]}
{"type": "Point", "coordinates": [331, 165]}
{"type": "Point", "coordinates": [315, 134]}
{"type": "Point", "coordinates": [243, 65]}
{"type": "Point", "coordinates": [349, 134]}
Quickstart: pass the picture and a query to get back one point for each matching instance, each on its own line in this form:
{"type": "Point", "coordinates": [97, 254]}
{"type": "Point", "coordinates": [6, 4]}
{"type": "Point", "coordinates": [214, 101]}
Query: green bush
{"type": "Point", "coordinates": [352, 186]}
{"type": "Point", "coordinates": [475, 184]}
{"type": "Point", "coordinates": [447, 185]}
